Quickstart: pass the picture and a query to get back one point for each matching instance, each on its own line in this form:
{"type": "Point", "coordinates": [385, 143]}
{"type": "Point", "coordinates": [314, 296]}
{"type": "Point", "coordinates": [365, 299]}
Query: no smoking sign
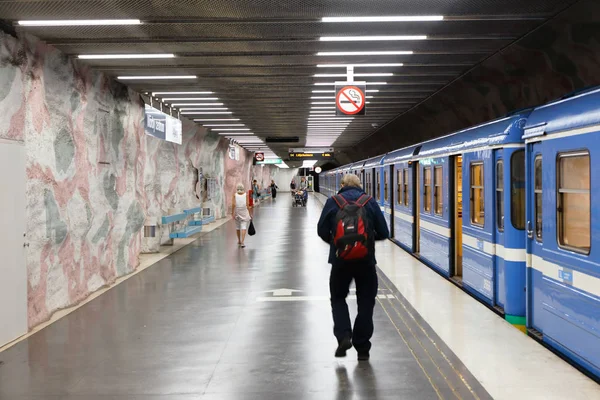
{"type": "Point", "coordinates": [350, 99]}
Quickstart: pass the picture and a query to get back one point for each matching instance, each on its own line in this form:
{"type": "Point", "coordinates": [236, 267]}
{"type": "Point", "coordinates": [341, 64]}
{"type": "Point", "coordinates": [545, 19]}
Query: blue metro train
{"type": "Point", "coordinates": [529, 254]}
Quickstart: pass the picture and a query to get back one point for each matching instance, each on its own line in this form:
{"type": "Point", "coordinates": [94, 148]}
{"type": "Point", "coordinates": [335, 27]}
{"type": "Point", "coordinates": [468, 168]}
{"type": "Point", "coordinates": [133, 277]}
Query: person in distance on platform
{"type": "Point", "coordinates": [350, 222]}
{"type": "Point", "coordinates": [273, 189]}
{"type": "Point", "coordinates": [293, 187]}
{"type": "Point", "coordinates": [240, 209]}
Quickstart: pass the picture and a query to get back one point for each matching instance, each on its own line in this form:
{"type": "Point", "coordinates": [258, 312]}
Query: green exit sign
{"type": "Point", "coordinates": [270, 161]}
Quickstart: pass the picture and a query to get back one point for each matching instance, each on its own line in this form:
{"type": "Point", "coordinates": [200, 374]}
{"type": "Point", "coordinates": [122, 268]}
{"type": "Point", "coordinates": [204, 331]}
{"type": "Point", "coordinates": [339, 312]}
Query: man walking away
{"type": "Point", "coordinates": [350, 222]}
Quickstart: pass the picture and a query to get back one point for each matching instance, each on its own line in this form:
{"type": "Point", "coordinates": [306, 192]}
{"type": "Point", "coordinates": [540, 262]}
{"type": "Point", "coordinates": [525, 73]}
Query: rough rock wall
{"type": "Point", "coordinates": [561, 56]}
{"type": "Point", "coordinates": [93, 176]}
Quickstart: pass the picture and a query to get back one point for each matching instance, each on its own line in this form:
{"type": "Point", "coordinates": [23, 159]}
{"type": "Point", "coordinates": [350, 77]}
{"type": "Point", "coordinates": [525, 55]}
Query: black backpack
{"type": "Point", "coordinates": [353, 236]}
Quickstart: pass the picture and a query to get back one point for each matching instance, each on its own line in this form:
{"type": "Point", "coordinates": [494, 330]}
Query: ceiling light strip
{"type": "Point", "coordinates": [156, 77]}
{"type": "Point", "coordinates": [375, 65]}
{"type": "Point", "coordinates": [81, 22]}
{"type": "Point", "coordinates": [396, 18]}
{"type": "Point", "coordinates": [123, 56]}
{"type": "Point", "coordinates": [365, 53]}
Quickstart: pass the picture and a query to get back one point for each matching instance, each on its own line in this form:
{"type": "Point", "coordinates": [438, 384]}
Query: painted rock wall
{"type": "Point", "coordinates": [94, 177]}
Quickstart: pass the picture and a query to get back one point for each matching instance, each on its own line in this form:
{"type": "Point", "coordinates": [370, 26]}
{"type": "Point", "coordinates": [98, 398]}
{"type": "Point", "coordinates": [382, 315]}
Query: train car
{"type": "Point", "coordinates": [376, 183]}
{"type": "Point", "coordinates": [399, 205]}
{"type": "Point", "coordinates": [479, 243]}
{"type": "Point", "coordinates": [563, 253]}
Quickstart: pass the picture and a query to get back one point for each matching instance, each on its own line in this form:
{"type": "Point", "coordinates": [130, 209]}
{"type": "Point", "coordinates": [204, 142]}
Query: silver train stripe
{"type": "Point", "coordinates": [577, 279]}
{"type": "Point", "coordinates": [563, 134]}
{"type": "Point", "coordinates": [507, 254]}
{"type": "Point", "coordinates": [440, 230]}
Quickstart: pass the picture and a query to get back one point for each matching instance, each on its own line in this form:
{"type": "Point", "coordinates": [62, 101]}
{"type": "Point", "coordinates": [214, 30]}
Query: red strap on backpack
{"type": "Point", "coordinates": [342, 202]}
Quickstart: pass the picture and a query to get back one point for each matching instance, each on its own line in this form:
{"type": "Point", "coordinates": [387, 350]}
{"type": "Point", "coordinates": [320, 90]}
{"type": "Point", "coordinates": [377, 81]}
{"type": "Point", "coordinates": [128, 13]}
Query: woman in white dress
{"type": "Point", "coordinates": [241, 213]}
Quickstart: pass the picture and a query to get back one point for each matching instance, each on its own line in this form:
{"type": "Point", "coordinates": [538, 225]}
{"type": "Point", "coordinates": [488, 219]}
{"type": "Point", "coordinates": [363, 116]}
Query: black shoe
{"type": "Point", "coordinates": [363, 355]}
{"type": "Point", "coordinates": [344, 345]}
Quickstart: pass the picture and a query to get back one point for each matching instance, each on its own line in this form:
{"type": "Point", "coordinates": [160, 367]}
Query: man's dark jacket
{"type": "Point", "coordinates": [327, 222]}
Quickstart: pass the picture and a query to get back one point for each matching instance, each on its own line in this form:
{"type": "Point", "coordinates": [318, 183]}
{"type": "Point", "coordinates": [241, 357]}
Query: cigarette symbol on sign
{"type": "Point", "coordinates": [350, 100]}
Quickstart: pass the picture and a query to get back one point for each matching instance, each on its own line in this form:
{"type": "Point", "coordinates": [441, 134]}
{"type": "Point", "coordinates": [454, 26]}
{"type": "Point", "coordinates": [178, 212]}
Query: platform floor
{"type": "Point", "coordinates": [213, 321]}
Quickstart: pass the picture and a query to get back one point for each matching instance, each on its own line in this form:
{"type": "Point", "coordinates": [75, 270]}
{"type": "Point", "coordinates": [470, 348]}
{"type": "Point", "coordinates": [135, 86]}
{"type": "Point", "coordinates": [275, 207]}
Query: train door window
{"type": "Point", "coordinates": [500, 195]}
{"type": "Point", "coordinates": [574, 208]}
{"type": "Point", "coordinates": [477, 194]}
{"type": "Point", "coordinates": [386, 193]}
{"type": "Point", "coordinates": [538, 197]}
{"type": "Point", "coordinates": [517, 189]}
{"type": "Point", "coordinates": [378, 185]}
{"type": "Point", "coordinates": [399, 185]}
{"type": "Point", "coordinates": [405, 186]}
{"type": "Point", "coordinates": [427, 189]}
{"type": "Point", "coordinates": [437, 185]}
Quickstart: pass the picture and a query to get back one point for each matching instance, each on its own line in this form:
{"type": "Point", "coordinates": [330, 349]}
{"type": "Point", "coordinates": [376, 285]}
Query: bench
{"type": "Point", "coordinates": [190, 228]}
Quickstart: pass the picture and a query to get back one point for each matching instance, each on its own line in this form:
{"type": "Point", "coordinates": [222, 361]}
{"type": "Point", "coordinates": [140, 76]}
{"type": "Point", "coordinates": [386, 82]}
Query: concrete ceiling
{"type": "Point", "coordinates": [260, 57]}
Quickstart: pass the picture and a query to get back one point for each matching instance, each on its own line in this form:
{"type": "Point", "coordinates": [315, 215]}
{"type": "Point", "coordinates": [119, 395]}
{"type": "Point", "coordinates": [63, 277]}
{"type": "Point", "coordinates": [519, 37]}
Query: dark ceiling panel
{"type": "Point", "coordinates": [259, 57]}
{"type": "Point", "coordinates": [241, 9]}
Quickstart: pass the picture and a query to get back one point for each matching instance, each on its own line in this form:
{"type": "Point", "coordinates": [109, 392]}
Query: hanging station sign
{"type": "Point", "coordinates": [311, 156]}
{"type": "Point", "coordinates": [271, 161]}
{"type": "Point", "coordinates": [350, 98]}
{"type": "Point", "coordinates": [161, 125]}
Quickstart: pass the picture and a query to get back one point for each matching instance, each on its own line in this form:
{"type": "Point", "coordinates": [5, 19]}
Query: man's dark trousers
{"type": "Point", "coordinates": [365, 278]}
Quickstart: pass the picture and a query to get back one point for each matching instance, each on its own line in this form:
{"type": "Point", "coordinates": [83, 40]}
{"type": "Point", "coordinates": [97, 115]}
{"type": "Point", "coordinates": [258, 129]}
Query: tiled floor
{"type": "Point", "coordinates": [193, 326]}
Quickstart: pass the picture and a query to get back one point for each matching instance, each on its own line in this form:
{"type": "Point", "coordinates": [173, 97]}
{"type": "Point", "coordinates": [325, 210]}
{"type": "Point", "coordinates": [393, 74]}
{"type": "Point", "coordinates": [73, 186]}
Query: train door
{"type": "Point", "coordinates": [534, 225]}
{"type": "Point", "coordinates": [388, 174]}
{"type": "Point", "coordinates": [416, 174]}
{"type": "Point", "coordinates": [457, 223]}
{"type": "Point", "coordinates": [499, 225]}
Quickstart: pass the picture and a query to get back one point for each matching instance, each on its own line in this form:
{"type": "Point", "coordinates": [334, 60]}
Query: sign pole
{"type": "Point", "coordinates": [350, 73]}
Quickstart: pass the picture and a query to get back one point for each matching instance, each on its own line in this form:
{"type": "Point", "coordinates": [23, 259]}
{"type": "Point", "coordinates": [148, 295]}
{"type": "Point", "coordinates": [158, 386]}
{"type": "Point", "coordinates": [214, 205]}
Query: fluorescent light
{"type": "Point", "coordinates": [344, 75]}
{"type": "Point", "coordinates": [152, 77]}
{"type": "Point", "coordinates": [330, 119]}
{"type": "Point", "coordinates": [205, 109]}
{"type": "Point", "coordinates": [81, 22]}
{"type": "Point", "coordinates": [370, 38]}
{"type": "Point", "coordinates": [322, 108]}
{"type": "Point", "coordinates": [333, 83]}
{"type": "Point", "coordinates": [360, 65]}
{"type": "Point", "coordinates": [158, 93]}
{"type": "Point", "coordinates": [216, 120]}
{"type": "Point", "coordinates": [208, 105]}
{"type": "Point", "coordinates": [221, 125]}
{"type": "Point", "coordinates": [322, 112]}
{"type": "Point", "coordinates": [195, 104]}
{"type": "Point", "coordinates": [122, 56]}
{"type": "Point", "coordinates": [398, 18]}
{"type": "Point", "coordinates": [203, 112]}
{"type": "Point", "coordinates": [375, 90]}
{"type": "Point", "coordinates": [235, 133]}
{"type": "Point", "coordinates": [365, 53]}
{"type": "Point", "coordinates": [323, 91]}
{"type": "Point", "coordinates": [231, 129]}
{"type": "Point", "coordinates": [189, 98]}
{"type": "Point", "coordinates": [323, 102]}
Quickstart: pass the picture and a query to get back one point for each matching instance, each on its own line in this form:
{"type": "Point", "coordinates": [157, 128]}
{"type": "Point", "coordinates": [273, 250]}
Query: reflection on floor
{"type": "Point", "coordinates": [196, 326]}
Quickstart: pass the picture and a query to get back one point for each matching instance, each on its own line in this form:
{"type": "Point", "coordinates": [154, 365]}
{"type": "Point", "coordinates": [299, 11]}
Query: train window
{"type": "Point", "coordinates": [386, 193]}
{"type": "Point", "coordinates": [437, 194]}
{"type": "Point", "coordinates": [517, 189]}
{"type": "Point", "coordinates": [405, 186]}
{"type": "Point", "coordinates": [427, 189]}
{"type": "Point", "coordinates": [573, 208]}
{"type": "Point", "coordinates": [500, 195]}
{"type": "Point", "coordinates": [378, 185]}
{"type": "Point", "coordinates": [399, 187]}
{"type": "Point", "coordinates": [538, 197]}
{"type": "Point", "coordinates": [477, 194]}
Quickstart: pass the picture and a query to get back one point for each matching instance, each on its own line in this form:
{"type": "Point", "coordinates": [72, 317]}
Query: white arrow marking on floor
{"type": "Point", "coordinates": [282, 292]}
{"type": "Point", "coordinates": [314, 298]}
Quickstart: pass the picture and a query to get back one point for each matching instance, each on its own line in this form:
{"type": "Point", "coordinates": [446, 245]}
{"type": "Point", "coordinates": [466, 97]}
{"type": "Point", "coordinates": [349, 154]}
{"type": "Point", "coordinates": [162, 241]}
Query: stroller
{"type": "Point", "coordinates": [299, 199]}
